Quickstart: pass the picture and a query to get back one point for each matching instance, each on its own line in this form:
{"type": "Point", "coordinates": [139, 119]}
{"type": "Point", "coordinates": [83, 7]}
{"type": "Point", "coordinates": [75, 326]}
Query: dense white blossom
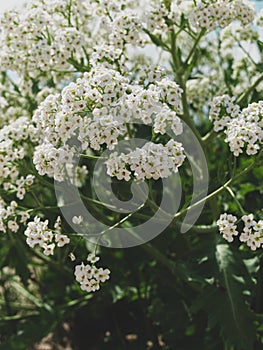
{"type": "Point", "coordinates": [90, 276]}
{"type": "Point", "coordinates": [243, 129]}
{"type": "Point", "coordinates": [252, 233]}
{"type": "Point", "coordinates": [151, 161]}
{"type": "Point", "coordinates": [39, 234]}
{"type": "Point", "coordinates": [95, 110]}
{"type": "Point", "coordinates": [227, 227]}
{"type": "Point", "coordinates": [222, 13]}
{"type": "Point", "coordinates": [11, 216]}
{"type": "Point", "coordinates": [47, 32]}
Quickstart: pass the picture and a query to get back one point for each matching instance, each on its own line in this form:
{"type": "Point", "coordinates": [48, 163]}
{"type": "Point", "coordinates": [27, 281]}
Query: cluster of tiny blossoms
{"type": "Point", "coordinates": [95, 110]}
{"type": "Point", "coordinates": [39, 234]}
{"type": "Point", "coordinates": [222, 13]}
{"type": "Point", "coordinates": [201, 90]}
{"type": "Point", "coordinates": [12, 151]}
{"type": "Point", "coordinates": [122, 24]}
{"type": "Point", "coordinates": [227, 227]}
{"type": "Point", "coordinates": [9, 217]}
{"type": "Point", "coordinates": [252, 233]}
{"type": "Point", "coordinates": [243, 129]}
{"type": "Point", "coordinates": [50, 32]}
{"type": "Point", "coordinates": [152, 161]}
{"type": "Point", "coordinates": [90, 276]}
{"type": "Point", "coordinates": [222, 108]}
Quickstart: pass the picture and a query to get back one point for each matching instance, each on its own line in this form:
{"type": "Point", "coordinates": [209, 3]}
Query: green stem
{"type": "Point", "coordinates": [155, 253]}
{"type": "Point", "coordinates": [245, 51]}
{"type": "Point", "coordinates": [194, 47]}
{"type": "Point", "coordinates": [229, 190]}
{"type": "Point", "coordinates": [216, 192]}
{"type": "Point", "coordinates": [242, 98]}
{"type": "Point", "coordinates": [179, 74]}
{"type": "Point", "coordinates": [209, 137]}
{"type": "Point", "coordinates": [88, 156]}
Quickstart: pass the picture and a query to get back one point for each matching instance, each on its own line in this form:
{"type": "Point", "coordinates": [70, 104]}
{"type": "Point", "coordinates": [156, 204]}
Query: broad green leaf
{"type": "Point", "coordinates": [226, 302]}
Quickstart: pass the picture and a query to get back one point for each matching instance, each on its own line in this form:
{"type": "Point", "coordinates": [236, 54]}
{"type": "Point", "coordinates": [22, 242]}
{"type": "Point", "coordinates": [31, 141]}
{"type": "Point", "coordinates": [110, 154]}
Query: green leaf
{"type": "Point", "coordinates": [20, 289]}
{"type": "Point", "coordinates": [157, 41]}
{"type": "Point", "coordinates": [226, 302]}
{"type": "Point", "coordinates": [30, 331]}
{"type": "Point", "coordinates": [18, 259]}
{"type": "Point", "coordinates": [260, 45]}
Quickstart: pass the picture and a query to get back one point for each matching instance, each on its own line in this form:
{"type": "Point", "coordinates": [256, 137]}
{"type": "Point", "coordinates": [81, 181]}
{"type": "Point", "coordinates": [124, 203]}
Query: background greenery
{"type": "Point", "coordinates": [178, 292]}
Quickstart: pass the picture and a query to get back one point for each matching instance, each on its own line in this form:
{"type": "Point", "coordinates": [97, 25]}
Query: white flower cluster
{"type": "Point", "coordinates": [152, 161]}
{"type": "Point", "coordinates": [166, 118]}
{"type": "Point", "coordinates": [155, 18]}
{"type": "Point", "coordinates": [59, 116]}
{"type": "Point", "coordinates": [9, 153]}
{"type": "Point", "coordinates": [17, 130]}
{"type": "Point", "coordinates": [222, 108]}
{"type": "Point", "coordinates": [90, 276]}
{"type": "Point", "coordinates": [125, 28]}
{"type": "Point", "coordinates": [43, 36]}
{"type": "Point", "coordinates": [21, 185]}
{"type": "Point", "coordinates": [243, 129]}
{"type": "Point", "coordinates": [95, 110]}
{"type": "Point", "coordinates": [9, 216]}
{"type": "Point", "coordinates": [252, 233]}
{"type": "Point", "coordinates": [246, 130]}
{"type": "Point", "coordinates": [12, 150]}
{"type": "Point", "coordinates": [202, 90]}
{"type": "Point", "coordinates": [52, 161]}
{"type": "Point", "coordinates": [227, 227]}
{"type": "Point", "coordinates": [222, 13]}
{"type": "Point", "coordinates": [38, 233]}
{"type": "Point", "coordinates": [12, 104]}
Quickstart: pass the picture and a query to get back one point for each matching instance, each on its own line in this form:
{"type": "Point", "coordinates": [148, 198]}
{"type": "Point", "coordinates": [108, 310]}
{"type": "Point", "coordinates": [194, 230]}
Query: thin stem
{"type": "Point", "coordinates": [88, 156]}
{"type": "Point", "coordinates": [229, 190]}
{"type": "Point", "coordinates": [115, 225]}
{"type": "Point", "coordinates": [194, 47]}
{"type": "Point", "coordinates": [178, 72]}
{"type": "Point", "coordinates": [245, 51]}
{"type": "Point", "coordinates": [216, 192]}
{"type": "Point", "coordinates": [209, 136]}
{"type": "Point", "coordinates": [242, 98]}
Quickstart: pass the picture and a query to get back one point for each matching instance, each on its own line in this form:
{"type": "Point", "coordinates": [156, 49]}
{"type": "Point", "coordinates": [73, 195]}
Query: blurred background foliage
{"type": "Point", "coordinates": [200, 293]}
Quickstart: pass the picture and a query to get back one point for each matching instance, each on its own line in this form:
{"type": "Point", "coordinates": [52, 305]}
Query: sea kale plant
{"type": "Point", "coordinates": [131, 124]}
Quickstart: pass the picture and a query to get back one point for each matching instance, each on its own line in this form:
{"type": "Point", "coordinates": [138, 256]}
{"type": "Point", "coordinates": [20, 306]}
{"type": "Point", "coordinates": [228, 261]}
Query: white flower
{"type": "Point", "coordinates": [12, 225]}
{"type": "Point", "coordinates": [24, 217]}
{"type": "Point", "coordinates": [258, 226]}
{"type": "Point", "coordinates": [255, 240]}
{"type": "Point", "coordinates": [61, 240]}
{"type": "Point", "coordinates": [77, 220]}
{"type": "Point", "coordinates": [48, 249]}
{"type": "Point", "coordinates": [248, 220]}
{"type": "Point", "coordinates": [92, 258]}
{"type": "Point", "coordinates": [103, 275]}
{"type": "Point", "coordinates": [245, 235]}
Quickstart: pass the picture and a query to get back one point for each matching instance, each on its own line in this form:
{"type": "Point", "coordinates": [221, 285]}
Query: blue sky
{"type": "Point", "coordinates": [259, 5]}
